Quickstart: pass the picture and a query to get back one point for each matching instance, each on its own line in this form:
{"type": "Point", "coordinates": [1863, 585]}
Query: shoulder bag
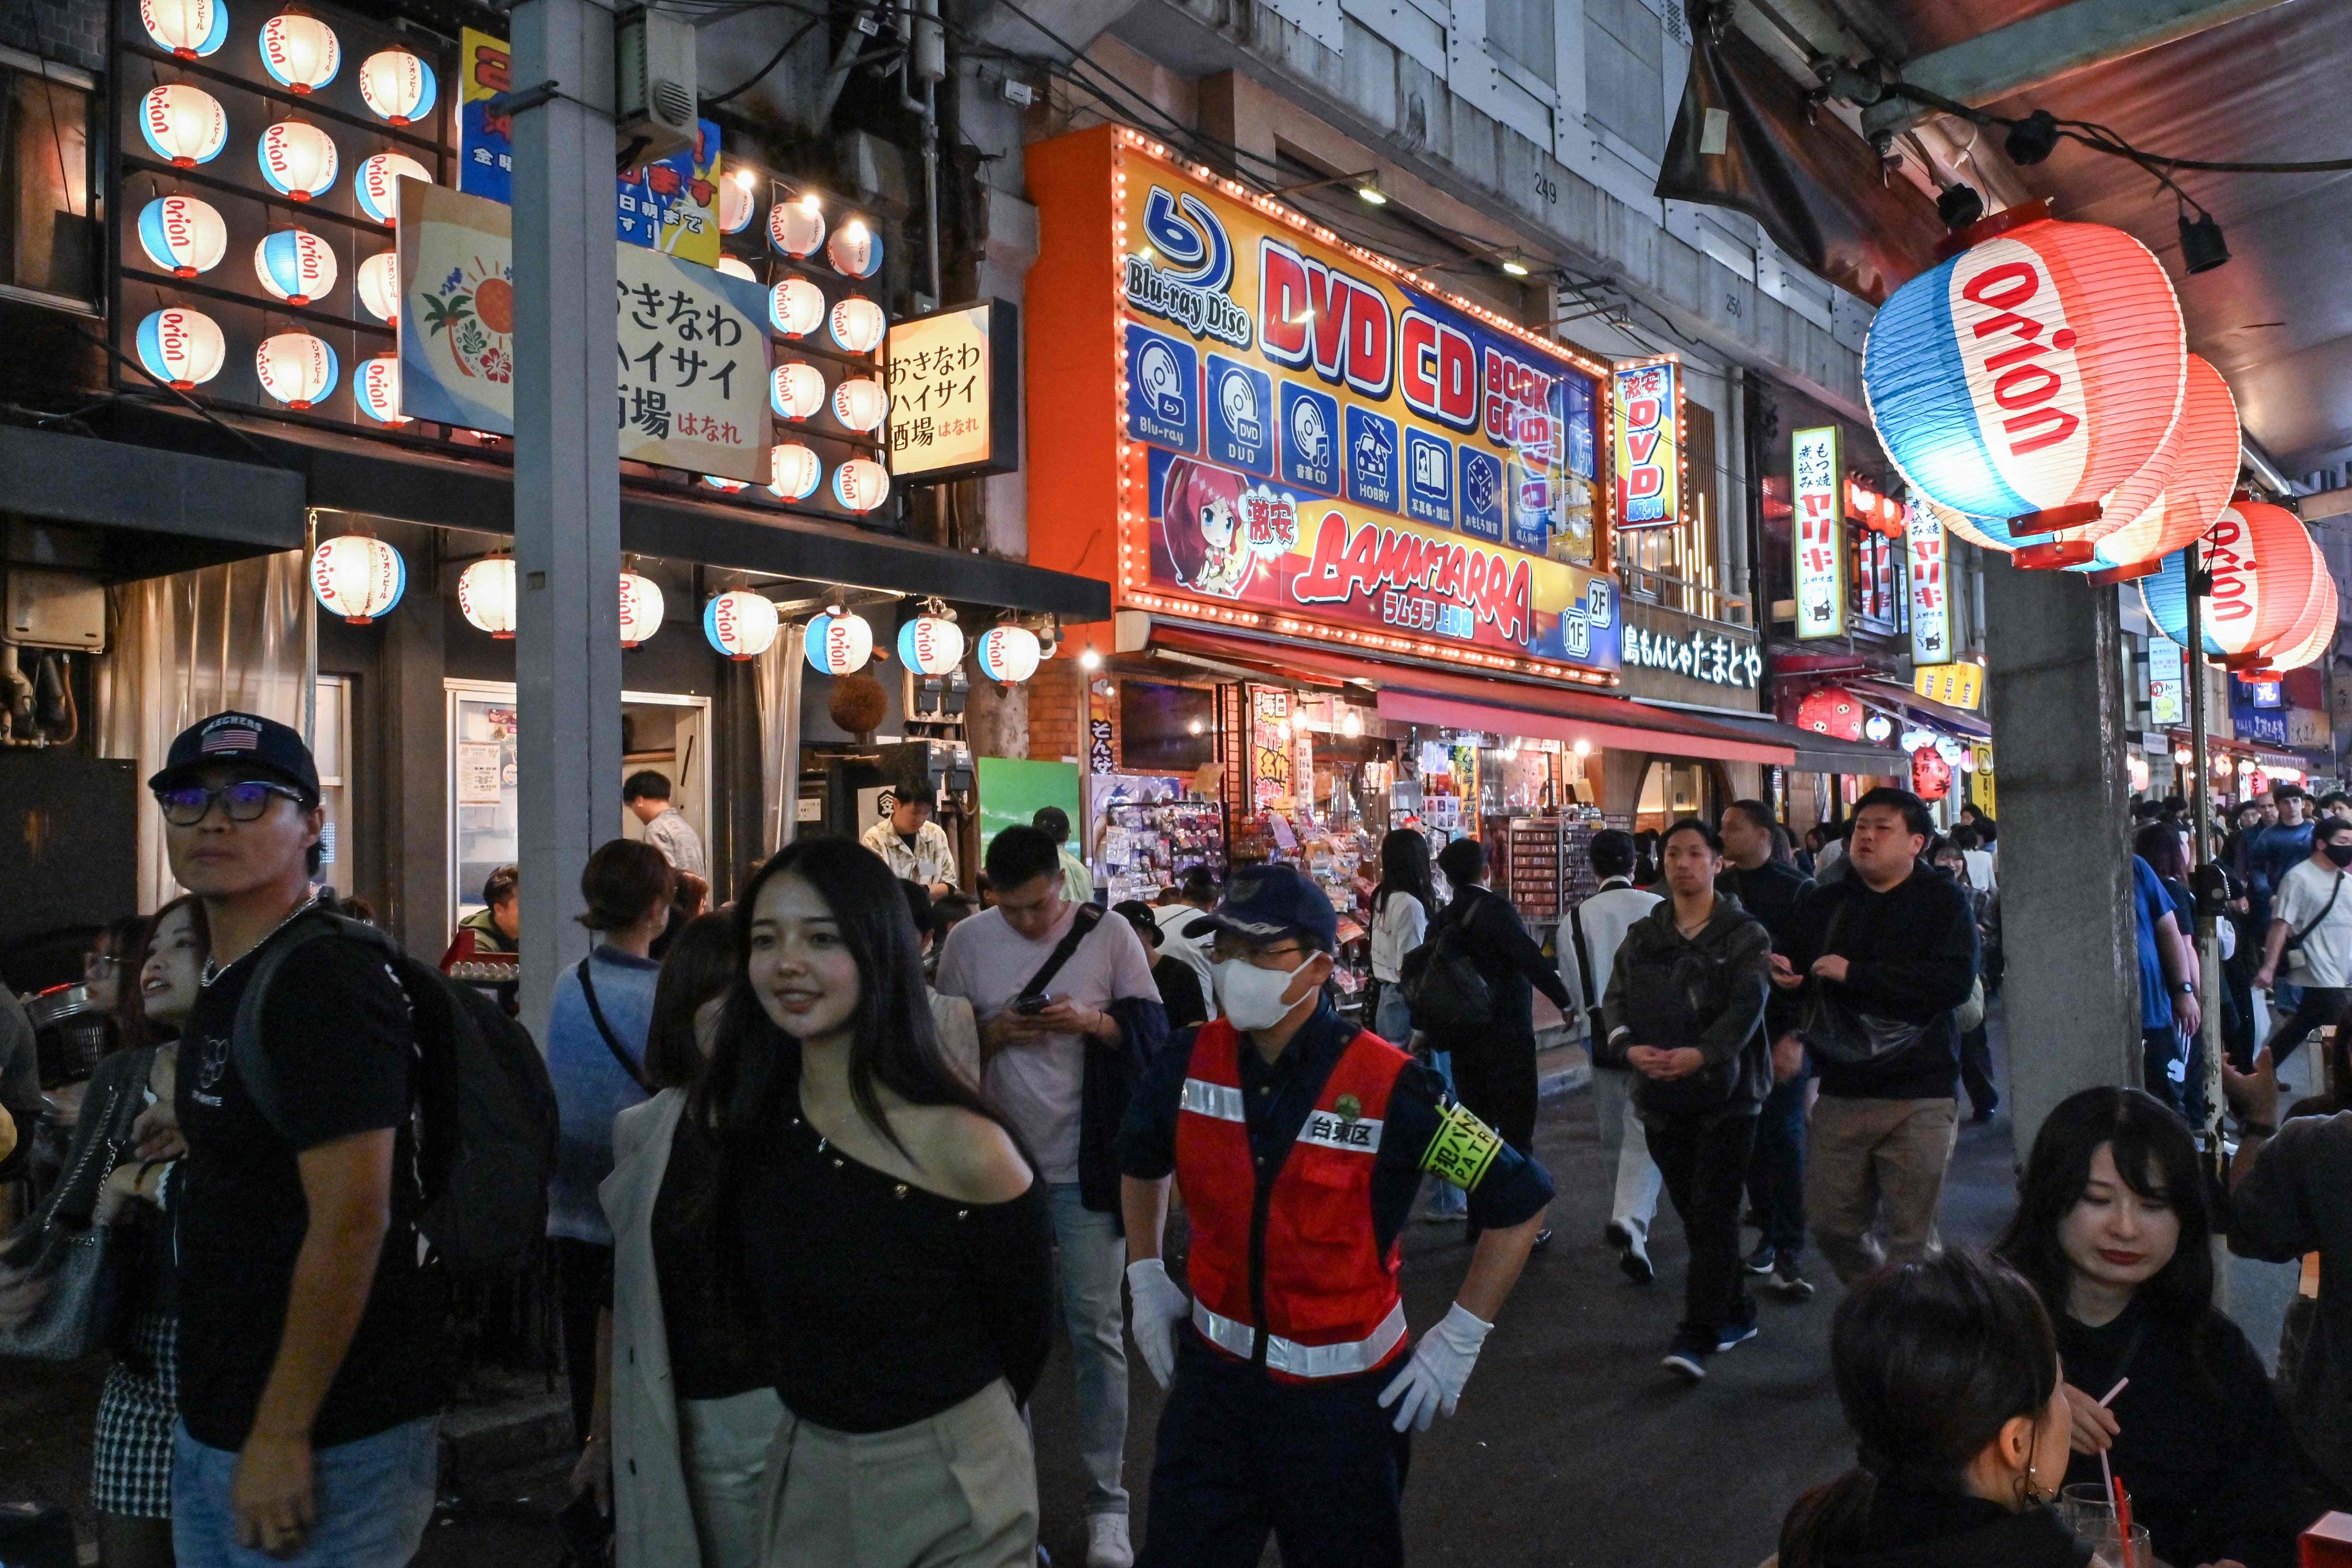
{"type": "Point", "coordinates": [596, 1013]}
{"type": "Point", "coordinates": [1836, 1031]}
{"type": "Point", "coordinates": [1599, 1043]}
{"type": "Point", "coordinates": [59, 1289]}
{"type": "Point", "coordinates": [2295, 959]}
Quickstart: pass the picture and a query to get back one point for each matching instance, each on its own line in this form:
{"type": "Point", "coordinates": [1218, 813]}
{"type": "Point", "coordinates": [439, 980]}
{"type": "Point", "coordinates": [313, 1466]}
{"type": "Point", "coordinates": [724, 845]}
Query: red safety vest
{"type": "Point", "coordinates": [1331, 1305]}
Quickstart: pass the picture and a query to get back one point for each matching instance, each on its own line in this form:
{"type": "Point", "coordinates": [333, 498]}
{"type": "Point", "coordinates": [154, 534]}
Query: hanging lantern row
{"type": "Point", "coordinates": [931, 643]}
{"type": "Point", "coordinates": [189, 28]}
{"type": "Point", "coordinates": [186, 126]}
{"type": "Point", "coordinates": [301, 53]}
{"type": "Point", "coordinates": [859, 484]}
{"type": "Point", "coordinates": [2272, 600]}
{"type": "Point", "coordinates": [740, 624]}
{"type": "Point", "coordinates": [797, 308]}
{"type": "Point", "coordinates": [796, 229]}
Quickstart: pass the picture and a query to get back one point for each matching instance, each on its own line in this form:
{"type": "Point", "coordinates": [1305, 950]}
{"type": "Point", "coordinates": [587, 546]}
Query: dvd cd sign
{"type": "Point", "coordinates": [1241, 414]}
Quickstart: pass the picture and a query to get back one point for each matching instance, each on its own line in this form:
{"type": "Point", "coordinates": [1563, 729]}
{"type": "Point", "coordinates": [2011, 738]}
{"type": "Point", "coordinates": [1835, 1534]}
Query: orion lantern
{"type": "Point", "coordinates": [861, 402]}
{"type": "Point", "coordinates": [737, 203]}
{"type": "Point", "coordinates": [182, 235]}
{"type": "Point", "coordinates": [189, 28]}
{"type": "Point", "coordinates": [300, 53]}
{"type": "Point", "coordinates": [796, 391]}
{"type": "Point", "coordinates": [376, 281]}
{"type": "Point", "coordinates": [861, 484]}
{"type": "Point", "coordinates": [796, 306]}
{"type": "Point", "coordinates": [398, 86]}
{"type": "Point", "coordinates": [375, 184]}
{"type": "Point", "coordinates": [2192, 489]}
{"type": "Point", "coordinates": [297, 369]}
{"type": "Point", "coordinates": [357, 577]}
{"type": "Point", "coordinates": [295, 265]}
{"type": "Point", "coordinates": [1007, 654]}
{"type": "Point", "coordinates": [838, 642]}
{"type": "Point", "coordinates": [736, 266]}
{"type": "Point", "coordinates": [858, 325]}
{"type": "Point", "coordinates": [855, 250]}
{"type": "Point", "coordinates": [297, 158]}
{"type": "Point", "coordinates": [182, 347]}
{"type": "Point", "coordinates": [2265, 573]}
{"type": "Point", "coordinates": [794, 471]}
{"type": "Point", "coordinates": [183, 125]}
{"type": "Point", "coordinates": [486, 596]}
{"type": "Point", "coordinates": [375, 386]}
{"type": "Point", "coordinates": [796, 227]}
{"type": "Point", "coordinates": [931, 644]}
{"type": "Point", "coordinates": [739, 624]}
{"type": "Point", "coordinates": [641, 608]}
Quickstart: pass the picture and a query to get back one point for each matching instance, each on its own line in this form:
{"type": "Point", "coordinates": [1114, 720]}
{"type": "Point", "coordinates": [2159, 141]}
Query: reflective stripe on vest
{"type": "Point", "coordinates": [1292, 1359]}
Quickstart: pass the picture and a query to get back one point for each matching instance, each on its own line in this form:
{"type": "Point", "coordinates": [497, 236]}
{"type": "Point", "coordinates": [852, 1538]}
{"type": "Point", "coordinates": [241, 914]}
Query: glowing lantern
{"type": "Point", "coordinates": [1876, 728]}
{"type": "Point", "coordinates": [855, 250]}
{"type": "Point", "coordinates": [2196, 485]}
{"type": "Point", "coordinates": [796, 229]}
{"type": "Point", "coordinates": [858, 324]}
{"type": "Point", "coordinates": [186, 124]}
{"type": "Point", "coordinates": [1008, 654]}
{"type": "Point", "coordinates": [930, 645]}
{"type": "Point", "coordinates": [723, 485]}
{"type": "Point", "coordinates": [860, 403]}
{"type": "Point", "coordinates": [736, 266]}
{"type": "Point", "coordinates": [739, 624]}
{"type": "Point", "coordinates": [297, 158]}
{"type": "Point", "coordinates": [2263, 566]}
{"type": "Point", "coordinates": [357, 577]}
{"type": "Point", "coordinates": [486, 596]}
{"type": "Point", "coordinates": [2309, 639]}
{"type": "Point", "coordinates": [1931, 775]}
{"type": "Point", "coordinates": [641, 608]}
{"type": "Point", "coordinates": [736, 202]}
{"type": "Point", "coordinates": [376, 281]}
{"type": "Point", "coordinates": [795, 391]}
{"type": "Point", "coordinates": [375, 384]}
{"type": "Point", "coordinates": [375, 184]}
{"type": "Point", "coordinates": [1832, 710]}
{"type": "Point", "coordinates": [796, 306]}
{"type": "Point", "coordinates": [838, 643]}
{"type": "Point", "coordinates": [182, 235]}
{"type": "Point", "coordinates": [398, 86]}
{"type": "Point", "coordinates": [296, 368]}
{"type": "Point", "coordinates": [182, 347]}
{"type": "Point", "coordinates": [300, 53]}
{"type": "Point", "coordinates": [189, 28]}
{"type": "Point", "coordinates": [794, 471]}
{"type": "Point", "coordinates": [295, 265]}
{"type": "Point", "coordinates": [861, 484]}
{"type": "Point", "coordinates": [2024, 379]}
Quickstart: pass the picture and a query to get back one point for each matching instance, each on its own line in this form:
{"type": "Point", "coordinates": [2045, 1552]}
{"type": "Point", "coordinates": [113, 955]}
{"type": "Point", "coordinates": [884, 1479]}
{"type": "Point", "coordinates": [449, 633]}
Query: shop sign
{"type": "Point", "coordinates": [2166, 690]}
{"type": "Point", "coordinates": [1820, 523]}
{"type": "Point", "coordinates": [692, 378]}
{"type": "Point", "coordinates": [1269, 745]}
{"type": "Point", "coordinates": [1710, 657]}
{"type": "Point", "coordinates": [1980, 783]}
{"type": "Point", "coordinates": [1953, 685]}
{"type": "Point", "coordinates": [1931, 617]}
{"type": "Point", "coordinates": [1648, 405]}
{"type": "Point", "coordinates": [955, 390]}
{"type": "Point", "coordinates": [1099, 760]}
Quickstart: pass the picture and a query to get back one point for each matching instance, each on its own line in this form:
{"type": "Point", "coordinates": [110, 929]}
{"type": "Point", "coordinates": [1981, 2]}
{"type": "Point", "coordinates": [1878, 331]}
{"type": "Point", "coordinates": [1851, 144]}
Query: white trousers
{"type": "Point", "coordinates": [1634, 1202]}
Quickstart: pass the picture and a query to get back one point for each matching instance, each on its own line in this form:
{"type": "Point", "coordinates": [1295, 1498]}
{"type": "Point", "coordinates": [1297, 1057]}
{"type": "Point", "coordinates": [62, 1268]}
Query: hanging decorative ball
{"type": "Point", "coordinates": [796, 227]}
{"type": "Point", "coordinates": [641, 608]}
{"type": "Point", "coordinates": [2263, 567]}
{"type": "Point", "coordinates": [1877, 727]}
{"type": "Point", "coordinates": [2203, 469]}
{"type": "Point", "coordinates": [376, 281]}
{"type": "Point", "coordinates": [796, 391]}
{"type": "Point", "coordinates": [855, 250]}
{"type": "Point", "coordinates": [930, 645]}
{"type": "Point", "coordinates": [185, 124]}
{"type": "Point", "coordinates": [189, 28]}
{"type": "Point", "coordinates": [861, 402]}
{"type": "Point", "coordinates": [375, 385]}
{"type": "Point", "coordinates": [375, 184]}
{"type": "Point", "coordinates": [1008, 654]}
{"type": "Point", "coordinates": [796, 306]}
{"type": "Point", "coordinates": [182, 235]}
{"type": "Point", "coordinates": [723, 485]}
{"type": "Point", "coordinates": [737, 202]}
{"type": "Point", "coordinates": [1832, 710]}
{"type": "Point", "coordinates": [794, 471]}
{"type": "Point", "coordinates": [736, 266]}
{"type": "Point", "coordinates": [739, 624]}
{"type": "Point", "coordinates": [485, 595]}
{"type": "Point", "coordinates": [296, 368]}
{"type": "Point", "coordinates": [181, 347]}
{"type": "Point", "coordinates": [398, 86]}
{"type": "Point", "coordinates": [297, 158]}
{"type": "Point", "coordinates": [858, 325]}
{"type": "Point", "coordinates": [838, 642]}
{"type": "Point", "coordinates": [861, 484]}
{"type": "Point", "coordinates": [2025, 378]}
{"type": "Point", "coordinates": [357, 577]}
{"type": "Point", "coordinates": [295, 265]}
{"type": "Point", "coordinates": [300, 53]}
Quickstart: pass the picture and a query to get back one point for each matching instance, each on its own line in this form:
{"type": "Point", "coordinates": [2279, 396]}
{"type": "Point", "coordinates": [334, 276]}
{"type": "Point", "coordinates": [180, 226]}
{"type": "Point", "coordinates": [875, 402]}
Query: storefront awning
{"type": "Point", "coordinates": [1958, 720]}
{"type": "Point", "coordinates": [1818, 753]}
{"type": "Point", "coordinates": [156, 512]}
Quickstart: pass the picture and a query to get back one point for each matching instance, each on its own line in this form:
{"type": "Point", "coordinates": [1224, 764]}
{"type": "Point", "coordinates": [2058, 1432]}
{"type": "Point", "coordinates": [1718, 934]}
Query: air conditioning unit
{"type": "Point", "coordinates": [654, 84]}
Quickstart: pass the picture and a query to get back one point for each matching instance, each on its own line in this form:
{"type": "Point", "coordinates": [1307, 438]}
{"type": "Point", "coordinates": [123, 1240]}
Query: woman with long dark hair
{"type": "Point", "coordinates": [890, 1233]}
{"type": "Point", "coordinates": [110, 976]}
{"type": "Point", "coordinates": [1401, 906]}
{"type": "Point", "coordinates": [1948, 1373]}
{"type": "Point", "coordinates": [2113, 1231]}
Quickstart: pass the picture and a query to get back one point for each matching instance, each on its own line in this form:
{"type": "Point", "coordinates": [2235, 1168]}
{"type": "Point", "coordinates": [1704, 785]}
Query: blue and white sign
{"type": "Point", "coordinates": [1428, 478]}
{"type": "Point", "coordinates": [1164, 390]}
{"type": "Point", "coordinates": [1482, 502]}
{"type": "Point", "coordinates": [1310, 437]}
{"type": "Point", "coordinates": [1241, 415]}
{"type": "Point", "coordinates": [1372, 459]}
{"type": "Point", "coordinates": [1534, 497]}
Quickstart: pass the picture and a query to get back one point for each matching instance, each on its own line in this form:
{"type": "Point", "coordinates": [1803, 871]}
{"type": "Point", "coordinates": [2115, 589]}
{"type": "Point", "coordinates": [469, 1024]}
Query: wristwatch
{"type": "Point", "coordinates": [2184, 987]}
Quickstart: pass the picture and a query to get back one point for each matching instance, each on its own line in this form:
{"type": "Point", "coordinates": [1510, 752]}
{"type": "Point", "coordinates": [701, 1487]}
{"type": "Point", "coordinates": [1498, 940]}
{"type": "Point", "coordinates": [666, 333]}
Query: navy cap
{"type": "Point", "coordinates": [246, 741]}
{"type": "Point", "coordinates": [1265, 903]}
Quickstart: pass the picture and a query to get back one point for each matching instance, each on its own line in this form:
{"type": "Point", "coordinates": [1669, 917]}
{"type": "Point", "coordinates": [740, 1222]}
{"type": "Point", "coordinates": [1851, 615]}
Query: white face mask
{"type": "Point", "coordinates": [1253, 997]}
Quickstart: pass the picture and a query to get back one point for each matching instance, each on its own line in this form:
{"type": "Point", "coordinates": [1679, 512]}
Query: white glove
{"type": "Point", "coordinates": [1432, 1381]}
{"type": "Point", "coordinates": [1158, 1307]}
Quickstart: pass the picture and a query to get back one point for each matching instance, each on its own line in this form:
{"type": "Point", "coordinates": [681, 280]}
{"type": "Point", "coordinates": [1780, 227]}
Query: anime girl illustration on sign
{"type": "Point", "coordinates": [1201, 525]}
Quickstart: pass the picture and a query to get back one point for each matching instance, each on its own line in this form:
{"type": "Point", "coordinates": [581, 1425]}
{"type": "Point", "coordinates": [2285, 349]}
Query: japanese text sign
{"type": "Point", "coordinates": [2168, 690]}
{"type": "Point", "coordinates": [954, 394]}
{"type": "Point", "coordinates": [485, 140]}
{"type": "Point", "coordinates": [1931, 613]}
{"type": "Point", "coordinates": [1649, 444]}
{"type": "Point", "coordinates": [1818, 533]}
{"type": "Point", "coordinates": [1269, 746]}
{"type": "Point", "coordinates": [1953, 685]}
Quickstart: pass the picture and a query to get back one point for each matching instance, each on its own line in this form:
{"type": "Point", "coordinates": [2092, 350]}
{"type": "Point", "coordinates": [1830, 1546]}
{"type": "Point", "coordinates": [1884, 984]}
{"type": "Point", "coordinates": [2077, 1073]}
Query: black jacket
{"type": "Point", "coordinates": [1770, 893]}
{"type": "Point", "coordinates": [1706, 992]}
{"type": "Point", "coordinates": [1907, 1529]}
{"type": "Point", "coordinates": [1499, 948]}
{"type": "Point", "coordinates": [1911, 956]}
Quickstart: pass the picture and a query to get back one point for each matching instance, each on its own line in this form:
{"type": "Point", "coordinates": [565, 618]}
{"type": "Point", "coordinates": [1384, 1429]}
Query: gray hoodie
{"type": "Point", "coordinates": [1706, 992]}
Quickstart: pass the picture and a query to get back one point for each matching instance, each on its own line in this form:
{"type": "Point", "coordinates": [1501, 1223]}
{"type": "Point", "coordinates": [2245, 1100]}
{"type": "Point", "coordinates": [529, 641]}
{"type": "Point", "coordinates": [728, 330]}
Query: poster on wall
{"type": "Point", "coordinates": [2167, 688]}
{"type": "Point", "coordinates": [1820, 543]}
{"type": "Point", "coordinates": [1649, 410]}
{"type": "Point", "coordinates": [1931, 615]}
{"type": "Point", "coordinates": [1270, 772]}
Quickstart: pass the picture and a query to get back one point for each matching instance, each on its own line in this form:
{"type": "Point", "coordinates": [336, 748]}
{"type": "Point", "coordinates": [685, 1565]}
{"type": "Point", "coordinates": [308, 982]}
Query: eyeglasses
{"type": "Point", "coordinates": [99, 963]}
{"type": "Point", "coordinates": [1225, 949]}
{"type": "Point", "coordinates": [245, 801]}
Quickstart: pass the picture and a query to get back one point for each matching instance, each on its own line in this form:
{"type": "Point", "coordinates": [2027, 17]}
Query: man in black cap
{"type": "Point", "coordinates": [309, 1338]}
{"type": "Point", "coordinates": [1298, 1142]}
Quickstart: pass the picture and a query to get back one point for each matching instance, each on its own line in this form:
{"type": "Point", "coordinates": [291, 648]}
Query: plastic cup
{"type": "Point", "coordinates": [2106, 1548]}
{"type": "Point", "coordinates": [2087, 1508]}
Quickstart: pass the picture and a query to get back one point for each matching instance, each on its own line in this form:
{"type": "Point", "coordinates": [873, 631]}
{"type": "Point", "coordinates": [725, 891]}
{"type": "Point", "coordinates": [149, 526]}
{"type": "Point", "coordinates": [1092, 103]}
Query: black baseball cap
{"type": "Point", "coordinates": [246, 741]}
{"type": "Point", "coordinates": [1265, 903]}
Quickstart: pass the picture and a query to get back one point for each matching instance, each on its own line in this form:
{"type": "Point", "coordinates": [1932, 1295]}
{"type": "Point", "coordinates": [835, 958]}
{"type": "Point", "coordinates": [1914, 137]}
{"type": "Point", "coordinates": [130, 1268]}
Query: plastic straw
{"type": "Point", "coordinates": [2123, 1516]}
{"type": "Point", "coordinates": [2121, 1383]}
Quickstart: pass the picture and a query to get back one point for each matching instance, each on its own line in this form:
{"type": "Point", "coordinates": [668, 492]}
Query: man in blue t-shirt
{"type": "Point", "coordinates": [2276, 849]}
{"type": "Point", "coordinates": [2167, 997]}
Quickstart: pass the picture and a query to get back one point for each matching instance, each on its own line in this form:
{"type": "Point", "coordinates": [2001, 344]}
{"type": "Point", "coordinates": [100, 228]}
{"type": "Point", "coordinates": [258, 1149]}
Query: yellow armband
{"type": "Point", "coordinates": [1463, 1150]}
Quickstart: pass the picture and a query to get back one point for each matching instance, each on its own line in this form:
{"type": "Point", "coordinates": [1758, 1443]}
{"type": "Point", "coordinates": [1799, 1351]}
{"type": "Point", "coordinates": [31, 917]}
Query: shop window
{"type": "Point", "coordinates": [1684, 567]}
{"type": "Point", "coordinates": [1166, 729]}
{"type": "Point", "coordinates": [1880, 603]}
{"type": "Point", "coordinates": [1670, 791]}
{"type": "Point", "coordinates": [46, 238]}
{"type": "Point", "coordinates": [330, 747]}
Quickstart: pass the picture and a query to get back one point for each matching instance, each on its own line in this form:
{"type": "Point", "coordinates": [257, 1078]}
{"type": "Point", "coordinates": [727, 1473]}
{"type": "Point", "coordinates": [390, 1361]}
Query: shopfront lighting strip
{"type": "Point", "coordinates": [1376, 642]}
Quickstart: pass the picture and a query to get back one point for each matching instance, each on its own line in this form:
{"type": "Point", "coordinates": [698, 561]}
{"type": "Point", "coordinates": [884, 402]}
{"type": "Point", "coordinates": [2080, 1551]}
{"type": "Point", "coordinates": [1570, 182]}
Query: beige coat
{"type": "Point", "coordinates": [652, 1521]}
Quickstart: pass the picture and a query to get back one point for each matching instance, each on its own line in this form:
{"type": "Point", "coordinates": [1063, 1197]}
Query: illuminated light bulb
{"type": "Point", "coordinates": [855, 250]}
{"type": "Point", "coordinates": [182, 348]}
{"type": "Point", "coordinates": [297, 369]}
{"type": "Point", "coordinates": [182, 235]}
{"type": "Point", "coordinates": [861, 484]}
{"type": "Point", "coordinates": [1351, 723]}
{"type": "Point", "coordinates": [737, 202]}
{"type": "Point", "coordinates": [860, 403]}
{"type": "Point", "coordinates": [858, 324]}
{"type": "Point", "coordinates": [1089, 661]}
{"type": "Point", "coordinates": [796, 391]}
{"type": "Point", "coordinates": [297, 158]}
{"type": "Point", "coordinates": [486, 596]}
{"type": "Point", "coordinates": [357, 577]}
{"type": "Point", "coordinates": [300, 53]}
{"type": "Point", "coordinates": [1583, 748]}
{"type": "Point", "coordinates": [189, 28]}
{"type": "Point", "coordinates": [295, 265]}
{"type": "Point", "coordinates": [375, 185]}
{"type": "Point", "coordinates": [183, 125]}
{"type": "Point", "coordinates": [376, 281]}
{"type": "Point", "coordinates": [399, 87]}
{"type": "Point", "coordinates": [794, 471]}
{"type": "Point", "coordinates": [796, 306]}
{"type": "Point", "coordinates": [375, 386]}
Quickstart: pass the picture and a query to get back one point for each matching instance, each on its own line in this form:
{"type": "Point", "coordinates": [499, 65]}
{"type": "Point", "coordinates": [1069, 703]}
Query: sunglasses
{"type": "Point", "coordinates": [245, 801]}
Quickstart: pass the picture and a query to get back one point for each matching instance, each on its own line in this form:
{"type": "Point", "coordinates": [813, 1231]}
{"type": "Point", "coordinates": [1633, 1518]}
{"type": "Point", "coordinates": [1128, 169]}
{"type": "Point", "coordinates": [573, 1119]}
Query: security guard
{"type": "Point", "coordinates": [1299, 1142]}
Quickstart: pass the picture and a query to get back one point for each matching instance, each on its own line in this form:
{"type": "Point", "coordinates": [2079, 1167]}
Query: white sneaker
{"type": "Point", "coordinates": [1107, 1543]}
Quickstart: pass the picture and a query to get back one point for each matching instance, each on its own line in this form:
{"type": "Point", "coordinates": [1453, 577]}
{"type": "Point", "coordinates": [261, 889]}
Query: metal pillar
{"type": "Point", "coordinates": [2208, 937]}
{"type": "Point", "coordinates": [567, 477]}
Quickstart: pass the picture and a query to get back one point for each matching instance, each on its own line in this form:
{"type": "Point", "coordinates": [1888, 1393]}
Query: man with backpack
{"type": "Point", "coordinates": [2310, 937]}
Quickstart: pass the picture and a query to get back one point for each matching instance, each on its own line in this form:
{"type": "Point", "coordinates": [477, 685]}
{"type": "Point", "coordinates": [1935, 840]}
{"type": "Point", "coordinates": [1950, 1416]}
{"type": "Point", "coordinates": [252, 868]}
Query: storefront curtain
{"type": "Point", "coordinates": [191, 645]}
{"type": "Point", "coordinates": [778, 676]}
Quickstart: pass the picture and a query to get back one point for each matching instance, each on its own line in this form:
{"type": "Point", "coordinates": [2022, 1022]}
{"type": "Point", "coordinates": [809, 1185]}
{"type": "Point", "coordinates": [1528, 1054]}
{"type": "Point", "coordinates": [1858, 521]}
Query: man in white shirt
{"type": "Point", "coordinates": [1078, 876]}
{"type": "Point", "coordinates": [1196, 895]}
{"type": "Point", "coordinates": [2311, 936]}
{"type": "Point", "coordinates": [915, 848]}
{"type": "Point", "coordinates": [646, 795]}
{"type": "Point", "coordinates": [1601, 920]}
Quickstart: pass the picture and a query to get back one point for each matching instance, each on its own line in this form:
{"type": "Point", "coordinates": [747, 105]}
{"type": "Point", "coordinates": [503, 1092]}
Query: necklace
{"type": "Point", "coordinates": [213, 970]}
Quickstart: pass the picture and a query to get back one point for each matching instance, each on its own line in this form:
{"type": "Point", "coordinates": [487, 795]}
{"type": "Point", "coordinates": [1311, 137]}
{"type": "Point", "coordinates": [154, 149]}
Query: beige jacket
{"type": "Point", "coordinates": [652, 1521]}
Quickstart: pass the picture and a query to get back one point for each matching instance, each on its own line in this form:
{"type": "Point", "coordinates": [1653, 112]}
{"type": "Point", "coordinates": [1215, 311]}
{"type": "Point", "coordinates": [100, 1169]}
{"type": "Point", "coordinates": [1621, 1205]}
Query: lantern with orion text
{"type": "Point", "coordinates": [737, 203]}
{"type": "Point", "coordinates": [376, 281]}
{"type": "Point", "coordinates": [182, 347]}
{"type": "Point", "coordinates": [357, 577]}
{"type": "Point", "coordinates": [796, 306]}
{"type": "Point", "coordinates": [1007, 654]}
{"type": "Point", "coordinates": [2199, 470]}
{"type": "Point", "coordinates": [2266, 572]}
{"type": "Point", "coordinates": [641, 608]}
{"type": "Point", "coordinates": [796, 227]}
{"type": "Point", "coordinates": [860, 403]}
{"type": "Point", "coordinates": [838, 642]}
{"type": "Point", "coordinates": [189, 28]}
{"type": "Point", "coordinates": [861, 484]}
{"type": "Point", "coordinates": [858, 325]}
{"type": "Point", "coordinates": [796, 391]}
{"type": "Point", "coordinates": [398, 86]}
{"type": "Point", "coordinates": [931, 643]}
{"type": "Point", "coordinates": [486, 596]}
{"type": "Point", "coordinates": [183, 235]}
{"type": "Point", "coordinates": [296, 368]}
{"type": "Point", "coordinates": [375, 184]}
{"type": "Point", "coordinates": [183, 125]}
{"type": "Point", "coordinates": [739, 624]}
{"type": "Point", "coordinates": [794, 471]}
{"type": "Point", "coordinates": [855, 250]}
{"type": "Point", "coordinates": [300, 53]}
{"type": "Point", "coordinates": [297, 158]}
{"type": "Point", "coordinates": [375, 384]}
{"type": "Point", "coordinates": [295, 265]}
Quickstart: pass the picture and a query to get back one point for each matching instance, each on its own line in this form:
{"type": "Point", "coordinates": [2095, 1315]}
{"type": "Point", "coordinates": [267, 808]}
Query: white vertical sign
{"type": "Point", "coordinates": [1931, 613]}
{"type": "Point", "coordinates": [2166, 691]}
{"type": "Point", "coordinates": [1819, 500]}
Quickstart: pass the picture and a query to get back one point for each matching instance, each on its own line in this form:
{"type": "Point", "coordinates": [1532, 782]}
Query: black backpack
{"type": "Point", "coordinates": [1443, 991]}
{"type": "Point", "coordinates": [486, 1116]}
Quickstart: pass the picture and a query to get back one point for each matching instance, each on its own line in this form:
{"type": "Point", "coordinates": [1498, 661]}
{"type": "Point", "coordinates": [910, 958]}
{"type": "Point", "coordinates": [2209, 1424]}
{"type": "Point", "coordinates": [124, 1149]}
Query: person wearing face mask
{"type": "Point", "coordinates": [1298, 1141]}
{"type": "Point", "coordinates": [2310, 938]}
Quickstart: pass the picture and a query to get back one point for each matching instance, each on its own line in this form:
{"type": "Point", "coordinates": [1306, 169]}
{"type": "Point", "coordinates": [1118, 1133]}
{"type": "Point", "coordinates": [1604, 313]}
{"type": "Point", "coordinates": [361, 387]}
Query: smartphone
{"type": "Point", "coordinates": [1030, 1006]}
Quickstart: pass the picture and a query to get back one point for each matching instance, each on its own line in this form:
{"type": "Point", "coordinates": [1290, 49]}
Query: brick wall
{"type": "Point", "coordinates": [1057, 727]}
{"type": "Point", "coordinates": [70, 31]}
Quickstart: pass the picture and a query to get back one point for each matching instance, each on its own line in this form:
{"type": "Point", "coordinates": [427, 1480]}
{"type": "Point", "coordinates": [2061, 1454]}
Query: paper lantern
{"type": "Point", "coordinates": [796, 227]}
{"type": "Point", "coordinates": [181, 347]}
{"type": "Point", "coordinates": [375, 385]}
{"type": "Point", "coordinates": [300, 53]}
{"type": "Point", "coordinates": [374, 183]}
{"type": "Point", "coordinates": [838, 642]}
{"type": "Point", "coordinates": [796, 306]}
{"type": "Point", "coordinates": [794, 471]}
{"type": "Point", "coordinates": [2204, 469]}
{"type": "Point", "coordinates": [724, 485]}
{"type": "Point", "coordinates": [376, 281]}
{"type": "Point", "coordinates": [860, 403]}
{"type": "Point", "coordinates": [1876, 728]}
{"type": "Point", "coordinates": [2265, 572]}
{"type": "Point", "coordinates": [861, 484]}
{"type": "Point", "coordinates": [182, 235]}
{"type": "Point", "coordinates": [930, 645]}
{"type": "Point", "coordinates": [858, 325]}
{"type": "Point", "coordinates": [737, 202]}
{"type": "Point", "coordinates": [736, 266]}
{"type": "Point", "coordinates": [1931, 775]}
{"type": "Point", "coordinates": [2027, 377]}
{"type": "Point", "coordinates": [357, 577]}
{"type": "Point", "coordinates": [185, 124]}
{"type": "Point", "coordinates": [1832, 710]}
{"type": "Point", "coordinates": [1007, 654]}
{"type": "Point", "coordinates": [641, 608]}
{"type": "Point", "coordinates": [795, 391]}
{"type": "Point", "coordinates": [398, 86]}
{"type": "Point", "coordinates": [485, 595]}
{"type": "Point", "coordinates": [189, 28]}
{"type": "Point", "coordinates": [739, 624]}
{"type": "Point", "coordinates": [855, 250]}
{"type": "Point", "coordinates": [295, 265]}
{"type": "Point", "coordinates": [2313, 633]}
{"type": "Point", "coordinates": [296, 368]}
{"type": "Point", "coordinates": [298, 160]}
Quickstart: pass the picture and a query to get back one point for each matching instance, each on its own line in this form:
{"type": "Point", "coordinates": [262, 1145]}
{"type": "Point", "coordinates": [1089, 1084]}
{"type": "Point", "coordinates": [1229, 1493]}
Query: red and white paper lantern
{"type": "Point", "coordinates": [398, 86]}
{"type": "Point", "coordinates": [296, 265]}
{"type": "Point", "coordinates": [357, 577]}
{"type": "Point", "coordinates": [375, 385]}
{"type": "Point", "coordinates": [376, 281]}
{"type": "Point", "coordinates": [796, 306]}
{"type": "Point", "coordinates": [794, 471]}
{"type": "Point", "coordinates": [375, 184]}
{"type": "Point", "coordinates": [1007, 654]}
{"type": "Point", "coordinates": [861, 402]}
{"type": "Point", "coordinates": [858, 325]}
{"type": "Point", "coordinates": [486, 596]}
{"type": "Point", "coordinates": [838, 642]}
{"type": "Point", "coordinates": [796, 391]}
{"type": "Point", "coordinates": [796, 227]}
{"type": "Point", "coordinates": [180, 347]}
{"type": "Point", "coordinates": [861, 484]}
{"type": "Point", "coordinates": [641, 608]}
{"type": "Point", "coordinates": [189, 28]}
{"type": "Point", "coordinates": [182, 235]}
{"type": "Point", "coordinates": [183, 124]}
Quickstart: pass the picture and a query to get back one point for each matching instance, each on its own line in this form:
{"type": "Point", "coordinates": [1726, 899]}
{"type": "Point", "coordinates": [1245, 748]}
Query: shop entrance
{"type": "Point", "coordinates": [1674, 790]}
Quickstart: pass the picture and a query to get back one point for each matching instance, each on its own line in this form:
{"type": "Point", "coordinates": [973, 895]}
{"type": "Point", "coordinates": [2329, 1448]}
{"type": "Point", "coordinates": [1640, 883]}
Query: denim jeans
{"type": "Point", "coordinates": [1091, 1261]}
{"type": "Point", "coordinates": [1776, 1170]}
{"type": "Point", "coordinates": [1393, 1021]}
{"type": "Point", "coordinates": [373, 1498]}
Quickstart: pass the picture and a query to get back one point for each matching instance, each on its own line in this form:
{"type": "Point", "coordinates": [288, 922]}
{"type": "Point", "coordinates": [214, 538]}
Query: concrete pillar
{"type": "Point", "coordinates": [567, 478]}
{"type": "Point", "coordinates": [416, 814]}
{"type": "Point", "coordinates": [2072, 997]}
{"type": "Point", "coordinates": [1239, 113]}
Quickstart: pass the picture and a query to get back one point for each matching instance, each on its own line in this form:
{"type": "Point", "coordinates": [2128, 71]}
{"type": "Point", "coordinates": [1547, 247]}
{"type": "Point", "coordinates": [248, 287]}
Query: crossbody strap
{"type": "Point", "coordinates": [1584, 970]}
{"type": "Point", "coordinates": [1081, 927]}
{"type": "Point", "coordinates": [2299, 938]}
{"type": "Point", "coordinates": [588, 992]}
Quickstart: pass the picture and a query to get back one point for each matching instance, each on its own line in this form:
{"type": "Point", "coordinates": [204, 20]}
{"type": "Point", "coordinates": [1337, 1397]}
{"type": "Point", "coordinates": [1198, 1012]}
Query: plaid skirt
{"type": "Point", "coordinates": [131, 1468]}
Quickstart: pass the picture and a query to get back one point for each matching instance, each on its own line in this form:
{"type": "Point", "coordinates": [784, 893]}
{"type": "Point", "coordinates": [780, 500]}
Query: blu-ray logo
{"type": "Point", "coordinates": [1162, 382]}
{"type": "Point", "coordinates": [1193, 248]}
